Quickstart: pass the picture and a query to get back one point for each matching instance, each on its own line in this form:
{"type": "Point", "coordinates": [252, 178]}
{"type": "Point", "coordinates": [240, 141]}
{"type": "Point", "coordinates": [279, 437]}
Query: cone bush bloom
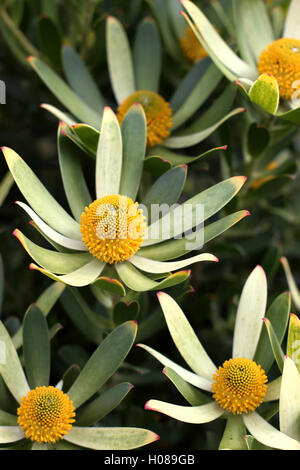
{"type": "Point", "coordinates": [48, 417]}
{"type": "Point", "coordinates": [109, 235]}
{"type": "Point", "coordinates": [268, 68]}
{"type": "Point", "coordinates": [240, 385]}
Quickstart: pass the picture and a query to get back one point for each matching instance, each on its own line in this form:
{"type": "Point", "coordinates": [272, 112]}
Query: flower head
{"type": "Point", "coordinates": [46, 414]}
{"type": "Point", "coordinates": [191, 47]}
{"type": "Point", "coordinates": [239, 385]}
{"type": "Point", "coordinates": [112, 228]}
{"type": "Point", "coordinates": [282, 60]}
{"type": "Point", "coordinates": [158, 114]}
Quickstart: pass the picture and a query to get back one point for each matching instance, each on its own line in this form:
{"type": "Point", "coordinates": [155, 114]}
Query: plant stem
{"type": "Point", "coordinates": [17, 33]}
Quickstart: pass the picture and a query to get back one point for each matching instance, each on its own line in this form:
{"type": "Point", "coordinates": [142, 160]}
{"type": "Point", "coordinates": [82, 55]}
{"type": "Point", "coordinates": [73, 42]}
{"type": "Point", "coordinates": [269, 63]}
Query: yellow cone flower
{"type": "Point", "coordinates": [46, 414]}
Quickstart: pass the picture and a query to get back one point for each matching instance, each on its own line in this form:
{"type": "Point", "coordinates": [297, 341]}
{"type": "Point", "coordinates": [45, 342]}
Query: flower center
{"type": "Point", "coordinates": [112, 228]}
{"type": "Point", "coordinates": [158, 114]}
{"type": "Point", "coordinates": [282, 60]}
{"type": "Point", "coordinates": [46, 414]}
{"type": "Point", "coordinates": [191, 47]}
{"type": "Point", "coordinates": [239, 385]}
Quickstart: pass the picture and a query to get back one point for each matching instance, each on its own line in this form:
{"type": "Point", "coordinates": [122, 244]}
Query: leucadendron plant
{"type": "Point", "coordinates": [240, 386]}
{"type": "Point", "coordinates": [39, 416]}
{"type": "Point", "coordinates": [266, 67]}
{"type": "Point", "coordinates": [111, 235]}
{"type": "Point", "coordinates": [135, 75]}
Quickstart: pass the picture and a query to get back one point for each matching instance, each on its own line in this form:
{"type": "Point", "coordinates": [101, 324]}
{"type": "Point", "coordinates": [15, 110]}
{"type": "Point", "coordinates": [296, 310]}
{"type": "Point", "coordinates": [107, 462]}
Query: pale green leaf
{"type": "Point", "coordinates": [110, 438]}
{"type": "Point", "coordinates": [119, 60]}
{"type": "Point", "coordinates": [188, 376]}
{"type": "Point", "coordinates": [39, 198]}
{"type": "Point", "coordinates": [187, 414]}
{"type": "Point", "coordinates": [103, 363]}
{"type": "Point", "coordinates": [251, 311]}
{"type": "Point", "coordinates": [10, 366]}
{"type": "Point", "coordinates": [267, 434]}
{"type": "Point", "coordinates": [109, 156]}
{"type": "Point", "coordinates": [185, 338]}
{"type": "Point", "coordinates": [289, 404]}
{"type": "Point", "coordinates": [292, 26]}
{"type": "Point", "coordinates": [147, 45]}
{"type": "Point", "coordinates": [134, 138]}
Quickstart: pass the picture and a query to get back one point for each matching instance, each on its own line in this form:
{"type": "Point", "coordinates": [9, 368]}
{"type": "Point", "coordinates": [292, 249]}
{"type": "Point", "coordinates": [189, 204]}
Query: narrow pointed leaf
{"type": "Point", "coordinates": [60, 115]}
{"type": "Point", "coordinates": [180, 141]}
{"type": "Point", "coordinates": [273, 390]}
{"type": "Point", "coordinates": [81, 80]}
{"type": "Point", "coordinates": [137, 281]}
{"type": "Point", "coordinates": [254, 17]}
{"type": "Point", "coordinates": [102, 405]}
{"type": "Point", "coordinates": [185, 338]}
{"type": "Point", "coordinates": [267, 434]}
{"type": "Point", "coordinates": [217, 48]}
{"type": "Point", "coordinates": [293, 342]}
{"type": "Point", "coordinates": [65, 94]}
{"type": "Point", "coordinates": [36, 348]}
{"type": "Point", "coordinates": [109, 156]}
{"type": "Point", "coordinates": [111, 438]}
{"type": "Point", "coordinates": [38, 197]}
{"type": "Point", "coordinates": [278, 315]}
{"type": "Point", "coordinates": [291, 282]}
{"type": "Point", "coordinates": [8, 419]}
{"type": "Point", "coordinates": [59, 263]}
{"type": "Point", "coordinates": [147, 44]}
{"type": "Point", "coordinates": [119, 60]}
{"type": "Point", "coordinates": [165, 190]}
{"type": "Point", "coordinates": [289, 404]}
{"type": "Point", "coordinates": [188, 376]}
{"type": "Point", "coordinates": [83, 276]}
{"type": "Point", "coordinates": [251, 311]}
{"type": "Point", "coordinates": [151, 266]}
{"type": "Point", "coordinates": [291, 27]}
{"type": "Point", "coordinates": [10, 367]}
{"type": "Point", "coordinates": [71, 243]}
{"type": "Point", "coordinates": [10, 434]}
{"type": "Point", "coordinates": [5, 185]}
{"type": "Point", "coordinates": [188, 83]}
{"type": "Point", "coordinates": [88, 137]}
{"type": "Point", "coordinates": [197, 96]}
{"type": "Point", "coordinates": [275, 345]}
{"type": "Point", "coordinates": [134, 138]}
{"type": "Point", "coordinates": [103, 363]}
{"type": "Point", "coordinates": [75, 187]}
{"type": "Point", "coordinates": [176, 248]}
{"type": "Point", "coordinates": [211, 200]}
{"type": "Point", "coordinates": [187, 414]}
{"type": "Point", "coordinates": [193, 396]}
{"type": "Point", "coordinates": [234, 433]}
{"type": "Point", "coordinates": [161, 13]}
